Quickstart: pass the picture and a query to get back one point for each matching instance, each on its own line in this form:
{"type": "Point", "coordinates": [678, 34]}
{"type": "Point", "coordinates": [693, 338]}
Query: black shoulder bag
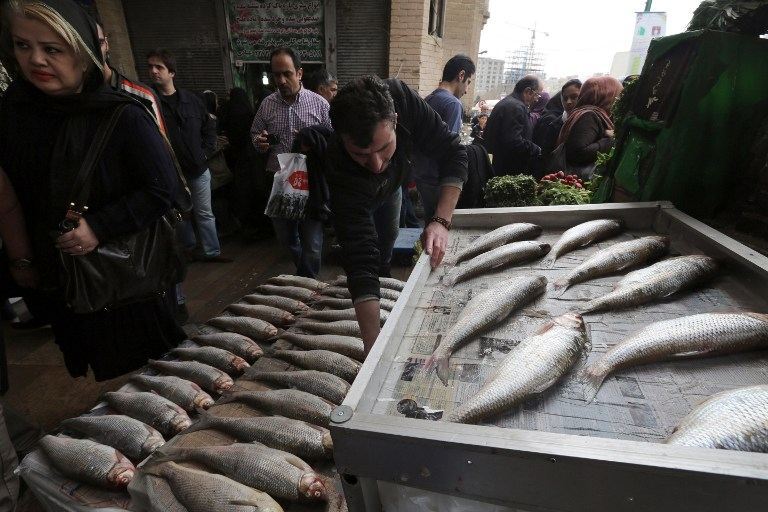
{"type": "Point", "coordinates": [129, 269]}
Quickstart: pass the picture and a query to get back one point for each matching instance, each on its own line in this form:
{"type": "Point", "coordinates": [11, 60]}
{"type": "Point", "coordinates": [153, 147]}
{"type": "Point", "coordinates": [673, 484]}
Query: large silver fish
{"type": "Point", "coordinates": [498, 237]}
{"type": "Point", "coordinates": [291, 403]}
{"type": "Point", "coordinates": [584, 234]}
{"type": "Point", "coordinates": [206, 376]}
{"type": "Point", "coordinates": [134, 439]}
{"type": "Point", "coordinates": [345, 345]}
{"type": "Point", "coordinates": [89, 462]}
{"type": "Point", "coordinates": [270, 314]}
{"type": "Point", "coordinates": [238, 344]}
{"type": "Point", "coordinates": [531, 367]}
{"type": "Point", "coordinates": [510, 254]}
{"type": "Point", "coordinates": [695, 335]}
{"type": "Point", "coordinates": [731, 420]}
{"type": "Point", "coordinates": [201, 491]}
{"type": "Point", "coordinates": [332, 315]}
{"type": "Point", "coordinates": [481, 313]}
{"type": "Point", "coordinates": [285, 303]}
{"type": "Point", "coordinates": [616, 258]}
{"type": "Point", "coordinates": [219, 358]}
{"type": "Point", "coordinates": [335, 303]}
{"type": "Point", "coordinates": [292, 292]}
{"type": "Point", "coordinates": [324, 385]}
{"type": "Point", "coordinates": [323, 361]}
{"type": "Point", "coordinates": [664, 279]}
{"type": "Point", "coordinates": [340, 327]}
{"type": "Point", "coordinates": [301, 282]}
{"type": "Point", "coordinates": [257, 330]}
{"type": "Point", "coordinates": [384, 282]}
{"type": "Point", "coordinates": [152, 409]}
{"type": "Point", "coordinates": [184, 393]}
{"type": "Point", "coordinates": [294, 436]}
{"type": "Point", "coordinates": [278, 473]}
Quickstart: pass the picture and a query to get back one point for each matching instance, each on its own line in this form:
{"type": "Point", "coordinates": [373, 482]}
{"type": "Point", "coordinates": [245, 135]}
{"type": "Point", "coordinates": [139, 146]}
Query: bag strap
{"type": "Point", "coordinates": [81, 189]}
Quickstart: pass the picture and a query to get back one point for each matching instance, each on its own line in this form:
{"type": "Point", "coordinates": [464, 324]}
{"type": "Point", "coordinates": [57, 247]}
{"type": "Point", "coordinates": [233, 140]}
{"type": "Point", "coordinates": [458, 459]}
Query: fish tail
{"type": "Point", "coordinates": [203, 423]}
{"type": "Point", "coordinates": [439, 361]}
{"type": "Point", "coordinates": [593, 380]}
{"type": "Point", "coordinates": [561, 284]}
{"type": "Point", "coordinates": [549, 261]}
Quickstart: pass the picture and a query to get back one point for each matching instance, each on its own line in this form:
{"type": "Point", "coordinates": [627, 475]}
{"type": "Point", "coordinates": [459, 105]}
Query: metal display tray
{"type": "Point", "coordinates": [557, 452]}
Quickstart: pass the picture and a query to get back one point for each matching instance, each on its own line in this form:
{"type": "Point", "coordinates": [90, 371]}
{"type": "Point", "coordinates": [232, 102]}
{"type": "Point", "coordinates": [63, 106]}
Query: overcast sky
{"type": "Point", "coordinates": [583, 35]}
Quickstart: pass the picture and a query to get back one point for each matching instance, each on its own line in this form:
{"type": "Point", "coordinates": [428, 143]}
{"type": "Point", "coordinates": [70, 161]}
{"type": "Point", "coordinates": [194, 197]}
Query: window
{"type": "Point", "coordinates": [436, 17]}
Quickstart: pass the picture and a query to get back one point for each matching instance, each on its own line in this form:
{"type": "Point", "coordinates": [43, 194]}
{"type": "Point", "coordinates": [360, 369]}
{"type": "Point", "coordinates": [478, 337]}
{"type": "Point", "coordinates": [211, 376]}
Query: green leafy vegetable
{"type": "Point", "coordinates": [511, 191]}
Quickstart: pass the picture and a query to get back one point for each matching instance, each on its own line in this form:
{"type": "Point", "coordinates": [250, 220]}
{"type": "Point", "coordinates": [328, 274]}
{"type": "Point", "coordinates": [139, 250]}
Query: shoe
{"type": "Point", "coordinates": [215, 259]}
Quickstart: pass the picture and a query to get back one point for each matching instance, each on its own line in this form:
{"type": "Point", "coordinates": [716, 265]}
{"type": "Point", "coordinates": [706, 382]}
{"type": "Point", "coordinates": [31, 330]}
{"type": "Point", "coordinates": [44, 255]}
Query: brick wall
{"type": "Point", "coordinates": [121, 53]}
{"type": "Point", "coordinates": [417, 57]}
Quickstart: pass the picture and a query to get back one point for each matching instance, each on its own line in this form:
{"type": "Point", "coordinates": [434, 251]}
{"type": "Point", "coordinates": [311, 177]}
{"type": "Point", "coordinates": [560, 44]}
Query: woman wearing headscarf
{"type": "Point", "coordinates": [48, 119]}
{"type": "Point", "coordinates": [537, 110]}
{"type": "Point", "coordinates": [589, 129]}
{"type": "Point", "coordinates": [547, 130]}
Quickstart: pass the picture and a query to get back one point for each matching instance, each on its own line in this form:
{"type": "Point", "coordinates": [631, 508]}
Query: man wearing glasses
{"type": "Point", "coordinates": [279, 118]}
{"type": "Point", "coordinates": [509, 130]}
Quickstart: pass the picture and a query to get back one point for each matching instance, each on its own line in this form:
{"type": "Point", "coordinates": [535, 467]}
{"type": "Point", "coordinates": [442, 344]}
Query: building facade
{"type": "Point", "coordinates": [490, 74]}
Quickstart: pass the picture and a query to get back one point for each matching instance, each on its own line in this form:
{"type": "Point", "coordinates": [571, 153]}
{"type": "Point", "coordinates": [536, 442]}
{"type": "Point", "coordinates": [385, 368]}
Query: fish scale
{"type": "Point", "coordinates": [584, 234]}
{"type": "Point", "coordinates": [294, 436]}
{"type": "Point", "coordinates": [483, 312]}
{"type": "Point", "coordinates": [257, 330]}
{"type": "Point", "coordinates": [731, 420]}
{"type": "Point", "coordinates": [498, 237]}
{"type": "Point", "coordinates": [516, 252]}
{"type": "Point", "coordinates": [340, 327]}
{"type": "Point", "coordinates": [708, 333]}
{"type": "Point", "coordinates": [131, 437]}
{"type": "Point", "coordinates": [218, 358]}
{"type": "Point", "coordinates": [615, 258]}
{"type": "Point", "coordinates": [299, 281]}
{"type": "Point", "coordinates": [152, 409]}
{"type": "Point", "coordinates": [336, 303]}
{"type": "Point", "coordinates": [323, 361]}
{"type": "Point", "coordinates": [332, 315]}
{"type": "Point", "coordinates": [269, 314]}
{"type": "Point", "coordinates": [292, 292]}
{"type": "Point", "coordinates": [324, 385]}
{"type": "Point", "coordinates": [182, 392]}
{"type": "Point", "coordinates": [206, 376]}
{"type": "Point", "coordinates": [346, 345]}
{"type": "Point", "coordinates": [201, 491]}
{"type": "Point", "coordinates": [532, 366]}
{"type": "Point", "coordinates": [238, 344]}
{"type": "Point", "coordinates": [663, 280]}
{"type": "Point", "coordinates": [87, 461]}
{"type": "Point", "coordinates": [291, 403]}
{"type": "Point", "coordinates": [284, 303]}
{"type": "Point", "coordinates": [278, 473]}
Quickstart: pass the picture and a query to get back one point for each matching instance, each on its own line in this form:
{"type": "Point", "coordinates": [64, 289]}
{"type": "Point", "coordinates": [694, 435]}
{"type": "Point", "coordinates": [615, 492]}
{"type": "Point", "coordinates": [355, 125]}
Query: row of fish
{"type": "Point", "coordinates": [737, 419]}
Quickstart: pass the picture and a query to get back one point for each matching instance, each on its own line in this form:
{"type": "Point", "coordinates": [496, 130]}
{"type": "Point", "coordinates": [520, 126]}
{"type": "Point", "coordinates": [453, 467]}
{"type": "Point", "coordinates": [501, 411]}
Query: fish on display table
{"type": "Point", "coordinates": [510, 254]}
{"type": "Point", "coordinates": [206, 376]}
{"type": "Point", "coordinates": [217, 357]}
{"type": "Point", "coordinates": [707, 334]}
{"type": "Point", "coordinates": [321, 360]}
{"type": "Point", "coordinates": [616, 258]}
{"type": "Point", "coordinates": [132, 438]}
{"type": "Point", "coordinates": [257, 330]}
{"type": "Point", "coordinates": [340, 327]}
{"type": "Point", "coordinates": [324, 385]}
{"type": "Point", "coordinates": [658, 281]}
{"type": "Point", "coordinates": [88, 462]}
{"type": "Point", "coordinates": [182, 392]}
{"type": "Point", "coordinates": [483, 312]}
{"type": "Point", "coordinates": [291, 403]}
{"type": "Point", "coordinates": [498, 237]}
{"type": "Point", "coordinates": [152, 409]}
{"type": "Point", "coordinates": [285, 303]}
{"type": "Point", "coordinates": [332, 315]}
{"type": "Point", "coordinates": [731, 420]}
{"type": "Point", "coordinates": [582, 235]}
{"type": "Point", "coordinates": [336, 303]}
{"type": "Point", "coordinates": [299, 281]}
{"type": "Point", "coordinates": [292, 292]}
{"type": "Point", "coordinates": [270, 314]}
{"type": "Point", "coordinates": [531, 367]}
{"type": "Point", "coordinates": [350, 346]}
{"type": "Point", "coordinates": [238, 344]}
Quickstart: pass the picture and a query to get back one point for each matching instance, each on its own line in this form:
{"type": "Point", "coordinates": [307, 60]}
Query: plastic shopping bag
{"type": "Point", "coordinates": [290, 188]}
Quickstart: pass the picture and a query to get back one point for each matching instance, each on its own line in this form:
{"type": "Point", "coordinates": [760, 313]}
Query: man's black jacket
{"type": "Point", "coordinates": [508, 137]}
{"type": "Point", "coordinates": [356, 192]}
{"type": "Point", "coordinates": [195, 139]}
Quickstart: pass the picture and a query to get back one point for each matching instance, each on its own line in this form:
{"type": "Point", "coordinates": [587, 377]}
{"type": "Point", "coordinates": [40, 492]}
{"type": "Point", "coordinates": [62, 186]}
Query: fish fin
{"type": "Point", "coordinates": [297, 462]}
{"type": "Point", "coordinates": [592, 382]}
{"type": "Point", "coordinates": [544, 328]}
{"type": "Point", "coordinates": [202, 423]}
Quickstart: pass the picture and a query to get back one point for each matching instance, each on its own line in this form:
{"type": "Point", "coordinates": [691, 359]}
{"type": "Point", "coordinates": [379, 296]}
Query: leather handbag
{"type": "Point", "coordinates": [125, 270]}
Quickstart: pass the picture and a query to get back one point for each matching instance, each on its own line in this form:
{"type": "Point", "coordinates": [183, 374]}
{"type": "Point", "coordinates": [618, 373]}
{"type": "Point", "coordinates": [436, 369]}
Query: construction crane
{"type": "Point", "coordinates": [525, 60]}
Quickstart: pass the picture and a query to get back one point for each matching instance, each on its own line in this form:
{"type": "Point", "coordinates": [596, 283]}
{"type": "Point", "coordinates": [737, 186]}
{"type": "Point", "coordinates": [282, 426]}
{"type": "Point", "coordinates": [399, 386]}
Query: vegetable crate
{"type": "Point", "coordinates": [555, 452]}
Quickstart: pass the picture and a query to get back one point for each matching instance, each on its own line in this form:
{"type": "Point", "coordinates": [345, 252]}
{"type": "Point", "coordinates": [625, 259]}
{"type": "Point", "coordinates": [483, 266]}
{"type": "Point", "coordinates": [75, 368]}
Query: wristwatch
{"type": "Point", "coordinates": [21, 264]}
{"type": "Point", "coordinates": [441, 221]}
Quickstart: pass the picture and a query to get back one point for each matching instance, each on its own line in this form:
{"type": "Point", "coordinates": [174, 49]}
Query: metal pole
{"type": "Point", "coordinates": [648, 5]}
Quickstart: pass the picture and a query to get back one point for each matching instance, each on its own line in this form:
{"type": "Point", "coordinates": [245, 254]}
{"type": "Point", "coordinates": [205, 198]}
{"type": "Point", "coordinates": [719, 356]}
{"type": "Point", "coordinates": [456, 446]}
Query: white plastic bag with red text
{"type": "Point", "coordinates": [290, 188]}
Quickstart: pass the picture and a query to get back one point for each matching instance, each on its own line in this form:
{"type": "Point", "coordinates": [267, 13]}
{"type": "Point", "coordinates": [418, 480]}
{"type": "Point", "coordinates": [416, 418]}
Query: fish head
{"type": "Point", "coordinates": [571, 320]}
{"type": "Point", "coordinates": [544, 248]}
{"type": "Point", "coordinates": [240, 364]}
{"type": "Point", "coordinates": [311, 486]}
{"type": "Point", "coordinates": [153, 442]}
{"type": "Point", "coordinates": [255, 352]}
{"type": "Point", "coordinates": [121, 473]}
{"type": "Point", "coordinates": [328, 444]}
{"type": "Point", "coordinates": [180, 422]}
{"type": "Point", "coordinates": [663, 240]}
{"type": "Point", "coordinates": [223, 383]}
{"type": "Point", "coordinates": [203, 400]}
{"type": "Point", "coordinates": [536, 229]}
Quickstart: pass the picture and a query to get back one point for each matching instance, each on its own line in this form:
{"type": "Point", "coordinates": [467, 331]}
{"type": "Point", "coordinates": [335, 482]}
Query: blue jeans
{"type": "Point", "coordinates": [206, 222]}
{"type": "Point", "coordinates": [386, 219]}
{"type": "Point", "coordinates": [304, 240]}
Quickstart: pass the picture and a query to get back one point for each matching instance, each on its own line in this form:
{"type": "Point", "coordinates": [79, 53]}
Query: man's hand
{"type": "Point", "coordinates": [261, 141]}
{"type": "Point", "coordinates": [79, 241]}
{"type": "Point", "coordinates": [434, 239]}
{"type": "Point", "coordinates": [369, 319]}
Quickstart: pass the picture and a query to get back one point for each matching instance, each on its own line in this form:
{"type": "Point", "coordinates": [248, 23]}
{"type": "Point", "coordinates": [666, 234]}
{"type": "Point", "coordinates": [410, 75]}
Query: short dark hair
{"type": "Point", "coordinates": [284, 50]}
{"type": "Point", "coordinates": [165, 57]}
{"type": "Point", "coordinates": [456, 65]}
{"type": "Point", "coordinates": [572, 81]}
{"type": "Point", "coordinates": [527, 81]}
{"type": "Point", "coordinates": [361, 105]}
{"type": "Point", "coordinates": [317, 79]}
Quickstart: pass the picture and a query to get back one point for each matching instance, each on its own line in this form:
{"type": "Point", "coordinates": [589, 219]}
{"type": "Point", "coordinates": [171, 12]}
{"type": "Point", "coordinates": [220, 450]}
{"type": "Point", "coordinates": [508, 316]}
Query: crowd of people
{"type": "Point", "coordinates": [92, 162]}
